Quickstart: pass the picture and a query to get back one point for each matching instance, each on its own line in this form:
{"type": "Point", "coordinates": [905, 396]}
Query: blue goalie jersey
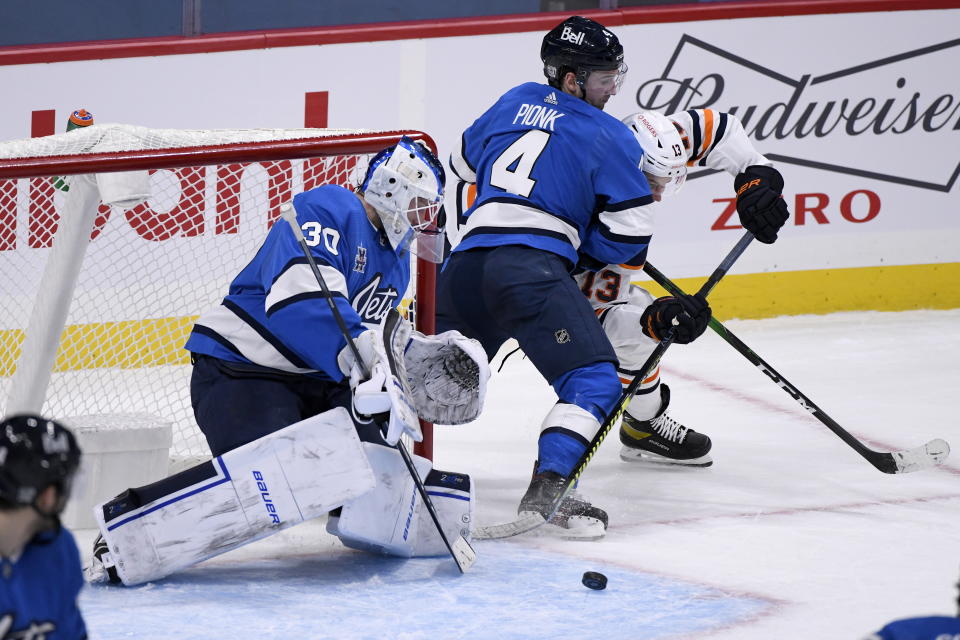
{"type": "Point", "coordinates": [554, 173]}
{"type": "Point", "coordinates": [38, 592]}
{"type": "Point", "coordinates": [275, 314]}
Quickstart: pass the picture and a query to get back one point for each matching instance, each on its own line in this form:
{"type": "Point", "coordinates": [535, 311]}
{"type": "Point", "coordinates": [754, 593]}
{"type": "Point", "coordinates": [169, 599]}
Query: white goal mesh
{"type": "Point", "coordinates": [96, 301]}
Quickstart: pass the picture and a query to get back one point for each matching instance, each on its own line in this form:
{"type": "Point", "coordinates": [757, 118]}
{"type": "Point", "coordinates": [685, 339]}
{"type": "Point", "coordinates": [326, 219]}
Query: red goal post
{"type": "Point", "coordinates": [97, 300]}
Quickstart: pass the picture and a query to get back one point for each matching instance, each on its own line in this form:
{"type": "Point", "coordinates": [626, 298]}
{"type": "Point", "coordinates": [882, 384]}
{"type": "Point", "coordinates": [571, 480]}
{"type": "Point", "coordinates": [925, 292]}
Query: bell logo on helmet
{"type": "Point", "coordinates": [570, 35]}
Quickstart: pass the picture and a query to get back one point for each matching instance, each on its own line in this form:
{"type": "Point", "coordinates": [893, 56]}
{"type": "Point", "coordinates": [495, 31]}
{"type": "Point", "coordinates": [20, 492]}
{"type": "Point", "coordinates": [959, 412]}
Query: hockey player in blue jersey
{"type": "Point", "coordinates": [921, 628]}
{"type": "Point", "coordinates": [282, 399]}
{"type": "Point", "coordinates": [557, 181]}
{"type": "Point", "coordinates": [40, 576]}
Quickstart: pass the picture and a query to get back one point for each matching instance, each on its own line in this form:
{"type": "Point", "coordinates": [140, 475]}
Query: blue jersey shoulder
{"type": "Point", "coordinates": [39, 591]}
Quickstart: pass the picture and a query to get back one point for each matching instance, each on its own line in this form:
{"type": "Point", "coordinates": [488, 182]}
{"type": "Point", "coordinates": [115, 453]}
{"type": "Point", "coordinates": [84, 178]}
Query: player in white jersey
{"type": "Point", "coordinates": [40, 575]}
{"type": "Point", "coordinates": [632, 319]}
{"type": "Point", "coordinates": [297, 424]}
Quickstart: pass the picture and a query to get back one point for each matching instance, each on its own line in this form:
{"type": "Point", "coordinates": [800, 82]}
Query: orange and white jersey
{"type": "Point", "coordinates": [716, 140]}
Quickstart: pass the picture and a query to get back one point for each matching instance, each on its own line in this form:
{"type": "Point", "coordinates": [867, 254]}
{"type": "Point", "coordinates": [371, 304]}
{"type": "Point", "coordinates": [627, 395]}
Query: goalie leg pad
{"type": "Point", "coordinates": [294, 474]}
{"type": "Point", "coordinates": [393, 520]}
{"type": "Point", "coordinates": [447, 376]}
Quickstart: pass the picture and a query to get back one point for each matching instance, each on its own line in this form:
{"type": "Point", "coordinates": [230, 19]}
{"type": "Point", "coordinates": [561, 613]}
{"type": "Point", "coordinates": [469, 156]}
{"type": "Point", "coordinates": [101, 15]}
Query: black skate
{"type": "Point", "coordinates": [576, 516]}
{"type": "Point", "coordinates": [663, 440]}
{"type": "Point", "coordinates": [102, 568]}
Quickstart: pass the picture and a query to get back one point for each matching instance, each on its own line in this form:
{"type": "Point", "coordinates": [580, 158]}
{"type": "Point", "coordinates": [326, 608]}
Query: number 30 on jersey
{"type": "Point", "coordinates": [313, 232]}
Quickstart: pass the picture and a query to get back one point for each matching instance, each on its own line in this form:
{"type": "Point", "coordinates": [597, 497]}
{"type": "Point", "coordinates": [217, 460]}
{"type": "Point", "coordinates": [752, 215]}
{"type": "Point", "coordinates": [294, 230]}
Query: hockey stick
{"type": "Point", "coordinates": [460, 550]}
{"type": "Point", "coordinates": [906, 461]}
{"type": "Point", "coordinates": [532, 521]}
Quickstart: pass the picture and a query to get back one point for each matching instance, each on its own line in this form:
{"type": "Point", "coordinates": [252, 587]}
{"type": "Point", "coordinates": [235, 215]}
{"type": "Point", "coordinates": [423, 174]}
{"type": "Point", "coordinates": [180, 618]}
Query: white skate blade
{"type": "Point", "coordinates": [578, 527]}
{"type": "Point", "coordinates": [629, 454]}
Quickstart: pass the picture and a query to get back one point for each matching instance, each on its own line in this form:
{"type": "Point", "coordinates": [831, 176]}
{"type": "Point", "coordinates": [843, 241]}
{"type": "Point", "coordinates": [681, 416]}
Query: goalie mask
{"type": "Point", "coordinates": [664, 154]}
{"type": "Point", "coordinates": [404, 183]}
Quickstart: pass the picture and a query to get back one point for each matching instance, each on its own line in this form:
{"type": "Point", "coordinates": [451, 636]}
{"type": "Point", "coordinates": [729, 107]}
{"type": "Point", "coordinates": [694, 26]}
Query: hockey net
{"type": "Point", "coordinates": [97, 300]}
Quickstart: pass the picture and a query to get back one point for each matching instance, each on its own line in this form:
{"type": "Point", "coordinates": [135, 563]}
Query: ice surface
{"type": "Point", "coordinates": [790, 534]}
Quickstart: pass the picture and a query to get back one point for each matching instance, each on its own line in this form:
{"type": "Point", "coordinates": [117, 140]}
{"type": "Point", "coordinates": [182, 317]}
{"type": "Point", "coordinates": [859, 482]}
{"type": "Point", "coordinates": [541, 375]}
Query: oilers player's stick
{"type": "Point", "coordinates": [460, 550]}
{"type": "Point", "coordinates": [529, 522]}
{"type": "Point", "coordinates": [923, 457]}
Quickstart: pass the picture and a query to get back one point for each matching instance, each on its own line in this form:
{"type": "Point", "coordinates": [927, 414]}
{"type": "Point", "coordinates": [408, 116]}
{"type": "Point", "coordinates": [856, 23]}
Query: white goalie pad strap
{"type": "Point", "coordinates": [571, 418]}
{"type": "Point", "coordinates": [392, 518]}
{"type": "Point", "coordinates": [295, 474]}
{"type": "Point", "coordinates": [447, 377]}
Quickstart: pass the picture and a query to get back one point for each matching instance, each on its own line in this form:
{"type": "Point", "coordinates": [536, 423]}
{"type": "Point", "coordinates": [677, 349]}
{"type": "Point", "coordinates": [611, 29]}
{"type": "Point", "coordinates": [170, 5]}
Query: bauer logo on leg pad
{"type": "Point", "coordinates": [265, 494]}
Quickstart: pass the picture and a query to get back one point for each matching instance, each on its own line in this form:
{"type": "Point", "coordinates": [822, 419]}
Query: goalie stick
{"type": "Point", "coordinates": [906, 461]}
{"type": "Point", "coordinates": [460, 550]}
{"type": "Point", "coordinates": [532, 521]}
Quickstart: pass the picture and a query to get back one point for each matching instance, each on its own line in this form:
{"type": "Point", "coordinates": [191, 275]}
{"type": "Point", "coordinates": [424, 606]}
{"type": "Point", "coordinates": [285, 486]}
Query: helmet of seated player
{"type": "Point", "coordinates": [581, 46]}
{"type": "Point", "coordinates": [404, 183]}
{"type": "Point", "coordinates": [664, 153]}
{"type": "Point", "coordinates": [36, 453]}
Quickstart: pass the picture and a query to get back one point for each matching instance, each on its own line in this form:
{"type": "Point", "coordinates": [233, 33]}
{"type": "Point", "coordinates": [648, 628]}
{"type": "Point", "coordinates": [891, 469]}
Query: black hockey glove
{"type": "Point", "coordinates": [762, 210]}
{"type": "Point", "coordinates": [687, 315]}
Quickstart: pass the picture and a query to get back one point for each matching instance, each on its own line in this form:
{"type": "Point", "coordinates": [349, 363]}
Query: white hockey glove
{"type": "Point", "coordinates": [384, 391]}
{"type": "Point", "coordinates": [370, 346]}
{"type": "Point", "coordinates": [446, 376]}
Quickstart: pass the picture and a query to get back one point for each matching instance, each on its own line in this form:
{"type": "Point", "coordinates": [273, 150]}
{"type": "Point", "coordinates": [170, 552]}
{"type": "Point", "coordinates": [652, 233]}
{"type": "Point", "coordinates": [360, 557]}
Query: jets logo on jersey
{"type": "Point", "coordinates": [360, 260]}
{"type": "Point", "coordinates": [372, 303]}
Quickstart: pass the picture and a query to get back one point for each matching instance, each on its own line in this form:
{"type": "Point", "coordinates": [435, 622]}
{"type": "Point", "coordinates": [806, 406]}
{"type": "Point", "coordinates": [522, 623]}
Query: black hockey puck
{"type": "Point", "coordinates": [594, 580]}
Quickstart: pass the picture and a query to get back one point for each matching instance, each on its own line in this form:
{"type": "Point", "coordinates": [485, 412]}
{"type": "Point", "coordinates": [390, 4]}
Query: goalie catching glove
{"type": "Point", "coordinates": [760, 206]}
{"type": "Point", "coordinates": [442, 379]}
{"type": "Point", "coordinates": [447, 376]}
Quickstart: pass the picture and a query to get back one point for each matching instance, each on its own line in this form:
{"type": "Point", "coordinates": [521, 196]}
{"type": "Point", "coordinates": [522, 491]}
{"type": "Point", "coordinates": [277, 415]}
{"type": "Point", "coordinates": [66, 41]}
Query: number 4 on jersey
{"type": "Point", "coordinates": [521, 156]}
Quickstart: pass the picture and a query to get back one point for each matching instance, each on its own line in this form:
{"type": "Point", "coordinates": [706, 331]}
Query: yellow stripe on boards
{"type": "Point", "coordinates": [150, 343]}
{"type": "Point", "coordinates": [788, 293]}
{"type": "Point", "coordinates": [131, 344]}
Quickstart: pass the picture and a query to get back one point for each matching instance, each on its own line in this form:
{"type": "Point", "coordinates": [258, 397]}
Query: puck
{"type": "Point", "coordinates": [594, 580]}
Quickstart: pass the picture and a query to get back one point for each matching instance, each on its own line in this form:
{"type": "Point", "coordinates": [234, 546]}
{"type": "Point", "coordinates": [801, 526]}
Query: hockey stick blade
{"type": "Point", "coordinates": [523, 524]}
{"type": "Point", "coordinates": [926, 457]}
{"type": "Point", "coordinates": [907, 461]}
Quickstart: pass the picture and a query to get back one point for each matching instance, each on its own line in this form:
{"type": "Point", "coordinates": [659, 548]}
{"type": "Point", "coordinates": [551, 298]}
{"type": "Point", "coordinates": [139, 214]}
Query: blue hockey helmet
{"type": "Point", "coordinates": [404, 183]}
{"type": "Point", "coordinates": [35, 453]}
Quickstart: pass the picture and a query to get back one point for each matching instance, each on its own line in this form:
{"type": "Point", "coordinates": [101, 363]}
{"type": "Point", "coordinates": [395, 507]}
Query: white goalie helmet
{"type": "Point", "coordinates": [404, 183]}
{"type": "Point", "coordinates": [664, 154]}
